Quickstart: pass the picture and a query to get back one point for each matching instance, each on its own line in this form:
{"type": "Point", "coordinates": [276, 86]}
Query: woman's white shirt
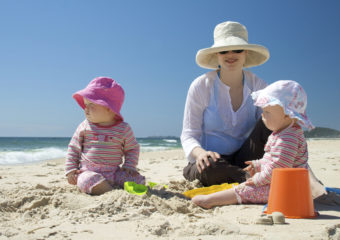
{"type": "Point", "coordinates": [208, 102]}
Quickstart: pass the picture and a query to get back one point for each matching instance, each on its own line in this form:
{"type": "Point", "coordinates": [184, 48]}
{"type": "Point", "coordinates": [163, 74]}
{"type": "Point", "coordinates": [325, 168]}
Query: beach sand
{"type": "Point", "coordinates": [36, 202]}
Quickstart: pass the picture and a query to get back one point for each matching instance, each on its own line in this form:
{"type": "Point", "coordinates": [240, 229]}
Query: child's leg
{"type": "Point", "coordinates": [253, 194]}
{"type": "Point", "coordinates": [122, 176]}
{"type": "Point", "coordinates": [93, 183]}
{"type": "Point", "coordinates": [221, 198]}
{"type": "Point", "coordinates": [101, 188]}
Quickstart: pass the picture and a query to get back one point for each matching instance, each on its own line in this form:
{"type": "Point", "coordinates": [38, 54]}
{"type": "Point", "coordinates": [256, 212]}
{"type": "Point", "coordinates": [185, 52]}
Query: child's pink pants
{"type": "Point", "coordinates": [252, 194]}
{"type": "Point", "coordinates": [93, 174]}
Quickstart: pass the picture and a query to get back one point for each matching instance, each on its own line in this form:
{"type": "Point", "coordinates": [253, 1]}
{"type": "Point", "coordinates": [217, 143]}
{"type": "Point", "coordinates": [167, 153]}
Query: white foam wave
{"type": "Point", "coordinates": [154, 149]}
{"type": "Point", "coordinates": [18, 157]}
{"type": "Point", "coordinates": [170, 140]}
{"type": "Point", "coordinates": [145, 144]}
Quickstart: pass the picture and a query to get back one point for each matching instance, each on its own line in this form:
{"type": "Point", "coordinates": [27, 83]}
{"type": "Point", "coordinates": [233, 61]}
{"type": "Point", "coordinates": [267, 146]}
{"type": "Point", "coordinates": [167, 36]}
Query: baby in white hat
{"type": "Point", "coordinates": [284, 112]}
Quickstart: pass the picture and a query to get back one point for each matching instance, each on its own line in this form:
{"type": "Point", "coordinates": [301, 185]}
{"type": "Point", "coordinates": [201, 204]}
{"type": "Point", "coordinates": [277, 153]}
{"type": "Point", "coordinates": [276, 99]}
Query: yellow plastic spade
{"type": "Point", "coordinates": [207, 190]}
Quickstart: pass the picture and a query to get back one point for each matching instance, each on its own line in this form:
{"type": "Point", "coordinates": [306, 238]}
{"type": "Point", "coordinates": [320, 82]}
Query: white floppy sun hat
{"type": "Point", "coordinates": [231, 36]}
{"type": "Point", "coordinates": [289, 95]}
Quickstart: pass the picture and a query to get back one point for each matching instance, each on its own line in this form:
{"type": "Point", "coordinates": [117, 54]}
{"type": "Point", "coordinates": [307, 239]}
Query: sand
{"type": "Point", "coordinates": [37, 203]}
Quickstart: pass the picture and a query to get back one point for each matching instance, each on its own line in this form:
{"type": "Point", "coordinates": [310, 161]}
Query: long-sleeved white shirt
{"type": "Point", "coordinates": [209, 119]}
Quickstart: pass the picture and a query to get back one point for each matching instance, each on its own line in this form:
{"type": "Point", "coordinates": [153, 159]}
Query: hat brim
{"type": "Point", "coordinates": [260, 100]}
{"type": "Point", "coordinates": [257, 55]}
{"type": "Point", "coordinates": [79, 97]}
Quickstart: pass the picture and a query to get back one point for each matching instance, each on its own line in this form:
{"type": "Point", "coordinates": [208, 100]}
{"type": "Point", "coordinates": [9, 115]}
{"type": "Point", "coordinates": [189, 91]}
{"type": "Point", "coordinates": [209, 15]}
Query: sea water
{"type": "Point", "coordinates": [18, 150]}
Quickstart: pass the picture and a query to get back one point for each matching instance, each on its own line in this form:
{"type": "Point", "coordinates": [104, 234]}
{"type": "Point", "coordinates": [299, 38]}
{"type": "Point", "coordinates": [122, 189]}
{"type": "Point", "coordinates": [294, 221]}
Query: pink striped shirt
{"type": "Point", "coordinates": [102, 146]}
{"type": "Point", "coordinates": [284, 149]}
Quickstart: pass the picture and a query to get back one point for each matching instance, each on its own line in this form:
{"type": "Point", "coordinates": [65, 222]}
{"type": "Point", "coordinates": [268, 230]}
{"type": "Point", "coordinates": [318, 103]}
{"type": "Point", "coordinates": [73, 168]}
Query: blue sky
{"type": "Point", "coordinates": [50, 49]}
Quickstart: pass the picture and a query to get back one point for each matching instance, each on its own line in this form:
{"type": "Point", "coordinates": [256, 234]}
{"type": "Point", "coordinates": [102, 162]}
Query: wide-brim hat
{"type": "Point", "coordinates": [289, 95]}
{"type": "Point", "coordinates": [103, 91]}
{"type": "Point", "coordinates": [231, 36]}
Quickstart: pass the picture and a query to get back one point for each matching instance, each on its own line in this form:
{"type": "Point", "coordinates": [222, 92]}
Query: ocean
{"type": "Point", "coordinates": [19, 150]}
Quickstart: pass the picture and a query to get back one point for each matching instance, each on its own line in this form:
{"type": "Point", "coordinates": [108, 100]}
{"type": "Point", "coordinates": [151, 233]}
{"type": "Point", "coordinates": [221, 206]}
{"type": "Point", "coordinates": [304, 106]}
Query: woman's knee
{"type": "Point", "coordinates": [222, 172]}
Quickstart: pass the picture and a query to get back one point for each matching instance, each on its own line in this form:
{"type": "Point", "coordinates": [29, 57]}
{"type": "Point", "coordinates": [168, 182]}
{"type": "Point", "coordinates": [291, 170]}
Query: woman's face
{"type": "Point", "coordinates": [231, 60]}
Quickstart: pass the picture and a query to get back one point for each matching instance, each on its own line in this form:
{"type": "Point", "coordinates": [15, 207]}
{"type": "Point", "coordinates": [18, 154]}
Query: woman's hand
{"type": "Point", "coordinates": [72, 177]}
{"type": "Point", "coordinates": [250, 168]}
{"type": "Point", "coordinates": [202, 156]}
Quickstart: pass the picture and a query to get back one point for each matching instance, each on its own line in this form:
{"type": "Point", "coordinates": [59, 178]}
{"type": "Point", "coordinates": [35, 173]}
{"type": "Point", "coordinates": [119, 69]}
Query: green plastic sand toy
{"type": "Point", "coordinates": [134, 188]}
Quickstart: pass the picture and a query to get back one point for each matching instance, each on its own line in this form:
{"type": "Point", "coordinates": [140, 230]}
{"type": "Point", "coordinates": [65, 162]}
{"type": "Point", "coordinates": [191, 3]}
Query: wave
{"type": "Point", "coordinates": [36, 155]}
{"type": "Point", "coordinates": [155, 148]}
{"type": "Point", "coordinates": [170, 140]}
{"type": "Point", "coordinates": [43, 154]}
{"type": "Point", "coordinates": [145, 144]}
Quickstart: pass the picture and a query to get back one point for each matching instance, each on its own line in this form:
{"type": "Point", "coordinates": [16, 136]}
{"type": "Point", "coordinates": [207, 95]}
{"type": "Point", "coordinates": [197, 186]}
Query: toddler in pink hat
{"type": "Point", "coordinates": [284, 112]}
{"type": "Point", "coordinates": [102, 141]}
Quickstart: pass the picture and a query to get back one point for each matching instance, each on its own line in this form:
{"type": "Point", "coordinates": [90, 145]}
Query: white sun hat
{"type": "Point", "coordinates": [231, 36]}
{"type": "Point", "coordinates": [289, 95]}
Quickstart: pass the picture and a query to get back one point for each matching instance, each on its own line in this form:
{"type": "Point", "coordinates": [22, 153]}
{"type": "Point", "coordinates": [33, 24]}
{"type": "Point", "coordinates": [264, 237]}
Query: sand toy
{"type": "Point", "coordinates": [207, 190]}
{"type": "Point", "coordinates": [134, 188]}
{"type": "Point", "coordinates": [152, 184]}
{"type": "Point", "coordinates": [290, 193]}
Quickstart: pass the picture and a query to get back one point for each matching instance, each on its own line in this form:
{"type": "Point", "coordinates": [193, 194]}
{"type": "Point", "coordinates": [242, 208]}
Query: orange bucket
{"type": "Point", "coordinates": [290, 193]}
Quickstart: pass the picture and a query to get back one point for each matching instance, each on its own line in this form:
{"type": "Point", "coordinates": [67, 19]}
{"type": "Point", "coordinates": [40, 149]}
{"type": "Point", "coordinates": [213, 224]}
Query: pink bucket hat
{"type": "Point", "coordinates": [103, 91]}
{"type": "Point", "coordinates": [289, 95]}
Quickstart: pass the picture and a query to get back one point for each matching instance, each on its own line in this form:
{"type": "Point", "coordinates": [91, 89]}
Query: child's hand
{"type": "Point", "coordinates": [72, 177]}
{"type": "Point", "coordinates": [129, 171]}
{"type": "Point", "coordinates": [249, 182]}
{"type": "Point", "coordinates": [250, 168]}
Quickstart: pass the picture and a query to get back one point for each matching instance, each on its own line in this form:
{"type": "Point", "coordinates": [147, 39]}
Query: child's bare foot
{"type": "Point", "coordinates": [202, 201]}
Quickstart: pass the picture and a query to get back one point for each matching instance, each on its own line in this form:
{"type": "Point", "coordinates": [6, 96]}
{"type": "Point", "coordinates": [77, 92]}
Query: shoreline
{"type": "Point", "coordinates": [37, 203]}
{"type": "Point", "coordinates": [141, 152]}
{"type": "Point", "coordinates": [58, 158]}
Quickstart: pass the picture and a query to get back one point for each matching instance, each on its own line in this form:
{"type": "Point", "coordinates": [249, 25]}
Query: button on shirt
{"type": "Point", "coordinates": [209, 119]}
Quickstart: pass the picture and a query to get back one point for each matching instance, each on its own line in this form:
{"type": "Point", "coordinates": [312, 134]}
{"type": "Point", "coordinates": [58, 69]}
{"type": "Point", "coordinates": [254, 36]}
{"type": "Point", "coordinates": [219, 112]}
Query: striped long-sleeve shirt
{"type": "Point", "coordinates": [106, 146]}
{"type": "Point", "coordinates": [284, 149]}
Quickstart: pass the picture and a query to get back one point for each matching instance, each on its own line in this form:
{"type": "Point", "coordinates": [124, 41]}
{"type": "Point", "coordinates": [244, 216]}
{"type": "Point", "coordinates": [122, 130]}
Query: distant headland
{"type": "Point", "coordinates": [321, 132]}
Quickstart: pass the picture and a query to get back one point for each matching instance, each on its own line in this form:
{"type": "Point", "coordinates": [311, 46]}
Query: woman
{"type": "Point", "coordinates": [221, 126]}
